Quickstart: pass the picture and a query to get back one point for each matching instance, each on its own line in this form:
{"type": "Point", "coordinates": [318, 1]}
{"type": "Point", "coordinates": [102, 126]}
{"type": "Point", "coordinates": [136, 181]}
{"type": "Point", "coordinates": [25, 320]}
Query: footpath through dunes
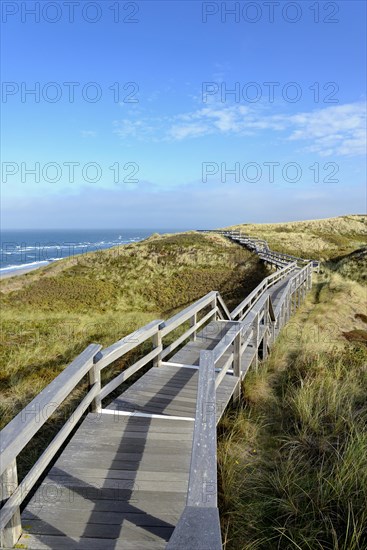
{"type": "Point", "coordinates": [318, 239]}
{"type": "Point", "coordinates": [48, 317]}
{"type": "Point", "coordinates": [141, 472]}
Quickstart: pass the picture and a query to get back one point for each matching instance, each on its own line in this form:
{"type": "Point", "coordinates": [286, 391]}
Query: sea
{"type": "Point", "coordinates": [28, 249]}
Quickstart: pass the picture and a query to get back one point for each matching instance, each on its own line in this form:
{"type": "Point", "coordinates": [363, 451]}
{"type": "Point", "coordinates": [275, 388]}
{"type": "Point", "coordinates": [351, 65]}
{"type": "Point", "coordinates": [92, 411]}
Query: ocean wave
{"type": "Point", "coordinates": [23, 266]}
{"type": "Point", "coordinates": [15, 253]}
{"type": "Point", "coordinates": [48, 246]}
{"type": "Point", "coordinates": [65, 246]}
{"type": "Point", "coordinates": [30, 264]}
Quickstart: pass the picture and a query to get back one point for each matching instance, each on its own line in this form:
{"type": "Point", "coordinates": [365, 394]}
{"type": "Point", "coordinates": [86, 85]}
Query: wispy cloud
{"type": "Point", "coordinates": [88, 133]}
{"type": "Point", "coordinates": [139, 127]}
{"type": "Point", "coordinates": [335, 130]}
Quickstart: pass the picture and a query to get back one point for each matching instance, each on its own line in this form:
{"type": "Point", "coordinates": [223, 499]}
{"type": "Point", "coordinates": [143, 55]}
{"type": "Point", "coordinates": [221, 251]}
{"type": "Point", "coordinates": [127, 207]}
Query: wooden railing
{"type": "Point", "coordinates": [255, 327]}
{"type": "Point", "coordinates": [199, 524]}
{"type": "Point", "coordinates": [90, 363]}
{"type": "Point", "coordinates": [254, 324]}
{"type": "Point", "coordinates": [15, 436]}
{"type": "Point", "coordinates": [263, 287]}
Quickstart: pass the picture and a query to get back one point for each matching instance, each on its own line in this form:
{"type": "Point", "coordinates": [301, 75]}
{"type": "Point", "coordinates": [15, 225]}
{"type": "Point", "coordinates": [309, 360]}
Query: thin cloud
{"type": "Point", "coordinates": [336, 130]}
{"type": "Point", "coordinates": [88, 133]}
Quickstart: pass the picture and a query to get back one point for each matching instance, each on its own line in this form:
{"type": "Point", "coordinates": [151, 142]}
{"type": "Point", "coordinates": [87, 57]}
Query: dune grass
{"type": "Point", "coordinates": [352, 266]}
{"type": "Point", "coordinates": [50, 316]}
{"type": "Point", "coordinates": [316, 239]}
{"type": "Point", "coordinates": [293, 458]}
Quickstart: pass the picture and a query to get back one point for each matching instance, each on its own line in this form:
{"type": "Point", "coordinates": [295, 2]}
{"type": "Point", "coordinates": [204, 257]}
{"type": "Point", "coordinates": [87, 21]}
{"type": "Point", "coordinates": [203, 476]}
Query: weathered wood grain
{"type": "Point", "coordinates": [187, 313]}
{"type": "Point", "coordinates": [110, 354]}
{"type": "Point", "coordinates": [10, 528]}
{"type": "Point", "coordinates": [202, 491]}
{"type": "Point", "coordinates": [197, 529]}
{"type": "Point", "coordinates": [19, 494]}
{"type": "Point", "coordinates": [20, 430]}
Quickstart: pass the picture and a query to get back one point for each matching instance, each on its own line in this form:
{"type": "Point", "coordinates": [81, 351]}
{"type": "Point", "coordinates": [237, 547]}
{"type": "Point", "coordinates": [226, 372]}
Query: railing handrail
{"type": "Point", "coordinates": [269, 281]}
{"type": "Point", "coordinates": [300, 273]}
{"type": "Point", "coordinates": [184, 315]}
{"type": "Point", "coordinates": [20, 430]}
{"type": "Point", "coordinates": [226, 341]}
{"type": "Point", "coordinates": [202, 486]}
{"type": "Point", "coordinates": [127, 343]}
{"type": "Point", "coordinates": [203, 465]}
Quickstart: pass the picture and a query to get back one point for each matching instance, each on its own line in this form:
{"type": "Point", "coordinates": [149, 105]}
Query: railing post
{"type": "Point", "coordinates": [309, 276]}
{"type": "Point", "coordinates": [215, 306]}
{"type": "Point", "coordinates": [256, 338]}
{"type": "Point", "coordinates": [237, 371]}
{"type": "Point", "coordinates": [282, 315]}
{"type": "Point", "coordinates": [266, 325]}
{"type": "Point", "coordinates": [273, 329]}
{"type": "Point", "coordinates": [8, 483]}
{"type": "Point", "coordinates": [304, 289]}
{"type": "Point", "coordinates": [193, 322]}
{"type": "Point", "coordinates": [294, 299]}
{"type": "Point", "coordinates": [95, 378]}
{"type": "Point", "coordinates": [157, 341]}
{"type": "Point", "coordinates": [286, 309]}
{"type": "Point", "coordinates": [289, 305]}
{"type": "Point", "coordinates": [285, 316]}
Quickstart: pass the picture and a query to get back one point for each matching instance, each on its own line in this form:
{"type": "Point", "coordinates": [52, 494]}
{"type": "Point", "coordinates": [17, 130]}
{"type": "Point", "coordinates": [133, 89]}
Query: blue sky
{"type": "Point", "coordinates": [288, 144]}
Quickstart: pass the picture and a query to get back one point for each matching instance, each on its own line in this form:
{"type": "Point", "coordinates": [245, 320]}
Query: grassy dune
{"type": "Point", "coordinates": [353, 265]}
{"type": "Point", "coordinates": [293, 458]}
{"type": "Point", "coordinates": [317, 239]}
{"type": "Point", "coordinates": [51, 315]}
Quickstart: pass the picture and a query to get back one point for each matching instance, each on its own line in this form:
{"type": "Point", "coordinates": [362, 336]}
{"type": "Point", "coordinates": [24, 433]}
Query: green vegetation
{"type": "Point", "coordinates": [293, 458]}
{"type": "Point", "coordinates": [50, 315]}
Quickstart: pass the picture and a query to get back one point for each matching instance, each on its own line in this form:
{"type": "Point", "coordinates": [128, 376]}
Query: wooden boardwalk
{"type": "Point", "coordinates": [121, 482]}
{"type": "Point", "coordinates": [129, 474]}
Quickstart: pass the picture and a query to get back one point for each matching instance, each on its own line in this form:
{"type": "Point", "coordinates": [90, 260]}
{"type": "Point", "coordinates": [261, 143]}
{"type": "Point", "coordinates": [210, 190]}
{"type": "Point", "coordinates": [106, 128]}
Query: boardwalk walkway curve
{"type": "Point", "coordinates": [141, 472]}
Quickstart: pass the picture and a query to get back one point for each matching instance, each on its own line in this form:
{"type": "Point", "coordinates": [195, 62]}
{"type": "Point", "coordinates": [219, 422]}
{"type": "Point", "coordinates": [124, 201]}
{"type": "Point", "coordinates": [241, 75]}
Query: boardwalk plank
{"type": "Point", "coordinates": [156, 504]}
{"type": "Point", "coordinates": [100, 473]}
{"type": "Point", "coordinates": [108, 518]}
{"type": "Point", "coordinates": [126, 530]}
{"type": "Point", "coordinates": [59, 483]}
{"type": "Point", "coordinates": [49, 542]}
